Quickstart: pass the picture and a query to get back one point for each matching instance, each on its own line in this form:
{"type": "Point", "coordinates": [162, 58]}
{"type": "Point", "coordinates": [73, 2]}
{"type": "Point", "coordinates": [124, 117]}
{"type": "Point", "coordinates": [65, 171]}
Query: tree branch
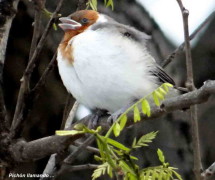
{"type": "Point", "coordinates": [172, 56]}
{"type": "Point", "coordinates": [28, 151]}
{"type": "Point", "coordinates": [8, 10]}
{"type": "Point", "coordinates": [24, 88]}
{"type": "Point", "coordinates": [190, 85]}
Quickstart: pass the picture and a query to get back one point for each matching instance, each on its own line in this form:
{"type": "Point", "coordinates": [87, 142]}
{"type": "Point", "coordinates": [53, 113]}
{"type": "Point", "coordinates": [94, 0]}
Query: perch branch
{"type": "Point", "coordinates": [28, 151]}
{"type": "Point", "coordinates": [190, 85]}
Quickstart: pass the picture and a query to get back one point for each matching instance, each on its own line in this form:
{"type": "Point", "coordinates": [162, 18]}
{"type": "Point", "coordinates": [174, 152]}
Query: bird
{"type": "Point", "coordinates": [104, 64]}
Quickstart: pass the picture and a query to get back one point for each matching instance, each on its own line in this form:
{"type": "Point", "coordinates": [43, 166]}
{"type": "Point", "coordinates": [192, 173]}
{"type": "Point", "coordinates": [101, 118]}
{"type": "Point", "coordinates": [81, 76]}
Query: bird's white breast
{"type": "Point", "coordinates": [108, 71]}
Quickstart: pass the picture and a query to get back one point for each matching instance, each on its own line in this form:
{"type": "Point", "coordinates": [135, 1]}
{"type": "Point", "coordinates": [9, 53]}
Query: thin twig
{"type": "Point", "coordinates": [44, 76]}
{"type": "Point", "coordinates": [23, 92]}
{"type": "Point", "coordinates": [53, 144]}
{"type": "Point", "coordinates": [51, 165]}
{"type": "Point", "coordinates": [36, 33]}
{"type": "Point", "coordinates": [70, 159]}
{"type": "Point", "coordinates": [70, 168]}
{"type": "Point", "coordinates": [67, 110]}
{"type": "Point", "coordinates": [71, 116]}
{"type": "Point", "coordinates": [172, 56]}
{"type": "Point", "coordinates": [89, 148]}
{"type": "Point", "coordinates": [190, 85]}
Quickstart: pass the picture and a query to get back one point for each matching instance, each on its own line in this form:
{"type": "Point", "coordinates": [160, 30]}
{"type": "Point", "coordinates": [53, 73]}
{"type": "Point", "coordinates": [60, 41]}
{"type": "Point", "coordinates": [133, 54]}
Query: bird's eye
{"type": "Point", "coordinates": [127, 34]}
{"type": "Point", "coordinates": [84, 21]}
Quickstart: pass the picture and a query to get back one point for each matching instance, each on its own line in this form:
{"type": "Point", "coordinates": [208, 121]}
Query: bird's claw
{"type": "Point", "coordinates": [94, 119]}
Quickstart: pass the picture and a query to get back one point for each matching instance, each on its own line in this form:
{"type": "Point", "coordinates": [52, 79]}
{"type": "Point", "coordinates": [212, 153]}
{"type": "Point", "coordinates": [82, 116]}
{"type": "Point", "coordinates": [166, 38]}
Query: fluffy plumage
{"type": "Point", "coordinates": [105, 64]}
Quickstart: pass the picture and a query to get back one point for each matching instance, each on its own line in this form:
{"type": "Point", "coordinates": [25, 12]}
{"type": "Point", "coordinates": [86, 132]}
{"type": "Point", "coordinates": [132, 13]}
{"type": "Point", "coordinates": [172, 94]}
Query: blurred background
{"type": "Point", "coordinates": [159, 18]}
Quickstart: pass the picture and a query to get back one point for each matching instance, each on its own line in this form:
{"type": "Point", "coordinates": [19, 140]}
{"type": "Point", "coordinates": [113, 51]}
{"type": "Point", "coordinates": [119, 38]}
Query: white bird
{"type": "Point", "coordinates": [104, 64]}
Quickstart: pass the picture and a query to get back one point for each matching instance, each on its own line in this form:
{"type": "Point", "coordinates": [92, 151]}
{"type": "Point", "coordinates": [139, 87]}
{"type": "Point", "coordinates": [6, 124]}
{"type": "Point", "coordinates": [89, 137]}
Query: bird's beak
{"type": "Point", "coordinates": [69, 24]}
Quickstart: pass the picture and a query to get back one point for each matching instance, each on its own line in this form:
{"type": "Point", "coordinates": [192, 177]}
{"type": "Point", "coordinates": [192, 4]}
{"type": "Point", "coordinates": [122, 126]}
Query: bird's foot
{"type": "Point", "coordinates": [118, 113]}
{"type": "Point", "coordinates": [94, 119]}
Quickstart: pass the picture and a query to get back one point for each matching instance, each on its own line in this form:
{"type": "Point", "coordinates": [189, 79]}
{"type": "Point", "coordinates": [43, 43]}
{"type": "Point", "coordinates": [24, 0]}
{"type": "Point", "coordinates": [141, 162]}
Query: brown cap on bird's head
{"type": "Point", "coordinates": [78, 21]}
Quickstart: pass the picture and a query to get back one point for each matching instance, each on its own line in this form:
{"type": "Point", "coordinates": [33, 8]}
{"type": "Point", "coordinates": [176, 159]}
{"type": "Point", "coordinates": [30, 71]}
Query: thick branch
{"type": "Point", "coordinates": [23, 151]}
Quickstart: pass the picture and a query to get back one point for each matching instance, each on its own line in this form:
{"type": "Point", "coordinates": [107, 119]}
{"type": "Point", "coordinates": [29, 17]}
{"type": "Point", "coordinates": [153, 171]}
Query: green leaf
{"type": "Point", "coordinates": [156, 100]}
{"type": "Point", "coordinates": [93, 4]}
{"type": "Point", "coordinates": [146, 107]}
{"type": "Point", "coordinates": [134, 142]}
{"type": "Point", "coordinates": [101, 148]}
{"type": "Point", "coordinates": [68, 132]}
{"type": "Point", "coordinates": [136, 114]}
{"type": "Point", "coordinates": [162, 91]}
{"type": "Point", "coordinates": [126, 167]}
{"type": "Point", "coordinates": [133, 157]}
{"type": "Point", "coordinates": [177, 175]}
{"type": "Point", "coordinates": [79, 126]}
{"type": "Point", "coordinates": [101, 169]}
{"type": "Point", "coordinates": [110, 171]}
{"type": "Point", "coordinates": [144, 140]}
{"type": "Point", "coordinates": [97, 158]}
{"type": "Point", "coordinates": [117, 145]}
{"type": "Point", "coordinates": [159, 95]}
{"type": "Point", "coordinates": [123, 121]}
{"type": "Point", "coordinates": [110, 3]}
{"type": "Point", "coordinates": [161, 156]}
{"type": "Point", "coordinates": [116, 129]}
{"type": "Point", "coordinates": [166, 86]}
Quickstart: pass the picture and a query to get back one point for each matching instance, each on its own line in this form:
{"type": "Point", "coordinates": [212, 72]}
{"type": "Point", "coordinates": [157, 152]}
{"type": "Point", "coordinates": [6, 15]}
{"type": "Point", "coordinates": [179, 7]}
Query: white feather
{"type": "Point", "coordinates": [109, 70]}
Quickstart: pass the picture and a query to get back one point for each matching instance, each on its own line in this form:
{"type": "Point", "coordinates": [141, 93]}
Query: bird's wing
{"type": "Point", "coordinates": [125, 30]}
{"type": "Point", "coordinates": [162, 76]}
{"type": "Point", "coordinates": [137, 36]}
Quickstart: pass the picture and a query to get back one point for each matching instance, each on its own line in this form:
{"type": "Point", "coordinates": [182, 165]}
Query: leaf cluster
{"type": "Point", "coordinates": [93, 4]}
{"type": "Point", "coordinates": [141, 106]}
{"type": "Point", "coordinates": [117, 159]}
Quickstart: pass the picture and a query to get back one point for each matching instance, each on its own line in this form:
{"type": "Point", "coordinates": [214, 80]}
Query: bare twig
{"type": "Point", "coordinates": [210, 171]}
{"type": "Point", "coordinates": [70, 159]}
{"type": "Point", "coordinates": [23, 151]}
{"type": "Point", "coordinates": [18, 115]}
{"type": "Point", "coordinates": [71, 116]}
{"type": "Point", "coordinates": [67, 110]}
{"type": "Point", "coordinates": [190, 85]}
{"type": "Point", "coordinates": [42, 79]}
{"type": "Point", "coordinates": [172, 56]}
{"type": "Point", "coordinates": [36, 33]}
{"type": "Point", "coordinates": [89, 148]}
{"type": "Point", "coordinates": [70, 168]}
{"type": "Point", "coordinates": [51, 165]}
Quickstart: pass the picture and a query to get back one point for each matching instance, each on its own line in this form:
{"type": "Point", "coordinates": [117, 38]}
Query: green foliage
{"type": "Point", "coordinates": [157, 95]}
{"type": "Point", "coordinates": [94, 3]}
{"type": "Point", "coordinates": [117, 159]}
{"type": "Point", "coordinates": [144, 140]}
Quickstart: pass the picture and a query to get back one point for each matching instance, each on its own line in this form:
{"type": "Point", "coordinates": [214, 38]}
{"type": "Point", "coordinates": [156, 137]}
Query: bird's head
{"type": "Point", "coordinates": [78, 21]}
